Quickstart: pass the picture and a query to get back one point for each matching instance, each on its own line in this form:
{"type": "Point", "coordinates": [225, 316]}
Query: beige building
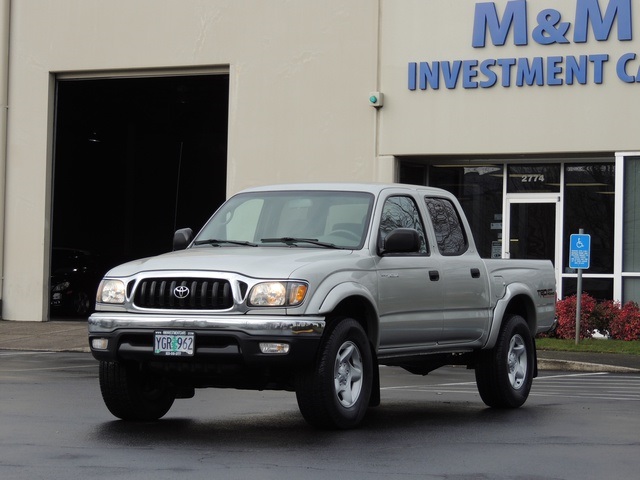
{"type": "Point", "coordinates": [126, 119]}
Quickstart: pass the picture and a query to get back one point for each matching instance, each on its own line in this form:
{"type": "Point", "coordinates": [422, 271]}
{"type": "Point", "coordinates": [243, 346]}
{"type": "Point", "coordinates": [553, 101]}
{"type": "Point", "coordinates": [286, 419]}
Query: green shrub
{"type": "Point", "coordinates": [603, 314]}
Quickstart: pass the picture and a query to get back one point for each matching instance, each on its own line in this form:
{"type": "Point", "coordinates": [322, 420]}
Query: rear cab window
{"type": "Point", "coordinates": [447, 224]}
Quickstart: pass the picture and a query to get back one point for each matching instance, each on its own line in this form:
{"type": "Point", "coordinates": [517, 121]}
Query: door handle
{"type": "Point", "coordinates": [434, 275]}
{"type": "Point", "coordinates": [475, 273]}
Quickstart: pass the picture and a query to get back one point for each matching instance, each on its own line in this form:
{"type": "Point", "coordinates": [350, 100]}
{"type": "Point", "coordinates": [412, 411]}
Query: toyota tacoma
{"type": "Point", "coordinates": [309, 288]}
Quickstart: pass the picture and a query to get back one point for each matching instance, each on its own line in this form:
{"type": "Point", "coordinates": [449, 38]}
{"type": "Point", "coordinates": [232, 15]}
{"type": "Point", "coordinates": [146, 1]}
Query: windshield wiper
{"type": "Point", "coordinates": [293, 240]}
{"type": "Point", "coordinates": [217, 242]}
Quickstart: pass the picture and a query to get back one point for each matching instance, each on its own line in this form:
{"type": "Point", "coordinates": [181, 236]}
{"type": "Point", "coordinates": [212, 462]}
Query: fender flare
{"type": "Point", "coordinates": [346, 290]}
{"type": "Point", "coordinates": [512, 291]}
{"type": "Point", "coordinates": [338, 293]}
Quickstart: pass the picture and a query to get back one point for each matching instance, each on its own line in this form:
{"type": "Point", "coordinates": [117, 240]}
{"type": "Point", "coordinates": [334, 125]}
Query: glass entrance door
{"type": "Point", "coordinates": [531, 227]}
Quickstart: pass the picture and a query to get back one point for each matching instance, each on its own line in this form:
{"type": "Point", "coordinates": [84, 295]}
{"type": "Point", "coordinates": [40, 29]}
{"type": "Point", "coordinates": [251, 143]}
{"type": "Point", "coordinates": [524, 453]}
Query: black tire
{"type": "Point", "coordinates": [335, 392]}
{"type": "Point", "coordinates": [130, 395]}
{"type": "Point", "coordinates": [504, 373]}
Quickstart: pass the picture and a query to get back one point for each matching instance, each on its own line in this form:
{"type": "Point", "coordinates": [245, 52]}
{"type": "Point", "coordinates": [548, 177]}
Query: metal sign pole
{"type": "Point", "coordinates": [579, 259]}
{"type": "Point", "coordinates": [579, 299]}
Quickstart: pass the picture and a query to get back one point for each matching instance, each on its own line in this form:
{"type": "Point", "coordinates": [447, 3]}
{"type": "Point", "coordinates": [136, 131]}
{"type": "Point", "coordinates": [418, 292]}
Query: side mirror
{"type": "Point", "coordinates": [401, 240]}
{"type": "Point", "coordinates": [182, 238]}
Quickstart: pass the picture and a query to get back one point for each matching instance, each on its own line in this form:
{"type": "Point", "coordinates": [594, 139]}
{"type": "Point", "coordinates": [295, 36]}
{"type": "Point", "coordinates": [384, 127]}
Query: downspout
{"type": "Point", "coordinates": [5, 28]}
{"type": "Point", "coordinates": [386, 170]}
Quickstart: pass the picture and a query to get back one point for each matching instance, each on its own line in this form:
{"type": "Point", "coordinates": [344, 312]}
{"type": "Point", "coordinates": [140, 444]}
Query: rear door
{"type": "Point", "coordinates": [463, 279]}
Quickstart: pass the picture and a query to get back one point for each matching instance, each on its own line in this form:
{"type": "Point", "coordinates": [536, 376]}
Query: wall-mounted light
{"type": "Point", "coordinates": [376, 99]}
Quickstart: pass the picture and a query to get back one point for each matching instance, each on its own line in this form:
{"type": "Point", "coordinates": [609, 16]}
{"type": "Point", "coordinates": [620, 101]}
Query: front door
{"type": "Point", "coordinates": [531, 227]}
{"type": "Point", "coordinates": [414, 276]}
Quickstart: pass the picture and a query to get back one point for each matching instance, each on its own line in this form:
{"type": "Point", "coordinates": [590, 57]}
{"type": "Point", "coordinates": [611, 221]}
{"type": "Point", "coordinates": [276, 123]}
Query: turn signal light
{"type": "Point", "coordinates": [297, 292]}
{"type": "Point", "coordinates": [277, 348]}
{"type": "Point", "coordinates": [99, 343]}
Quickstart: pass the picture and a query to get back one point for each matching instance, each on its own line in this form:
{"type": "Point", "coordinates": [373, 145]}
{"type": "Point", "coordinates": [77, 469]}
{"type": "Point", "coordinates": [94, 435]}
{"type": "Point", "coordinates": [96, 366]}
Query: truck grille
{"type": "Point", "coordinates": [184, 294]}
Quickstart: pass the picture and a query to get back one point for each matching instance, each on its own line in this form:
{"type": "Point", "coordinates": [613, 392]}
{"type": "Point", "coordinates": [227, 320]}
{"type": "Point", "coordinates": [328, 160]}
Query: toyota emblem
{"type": "Point", "coordinates": [181, 291]}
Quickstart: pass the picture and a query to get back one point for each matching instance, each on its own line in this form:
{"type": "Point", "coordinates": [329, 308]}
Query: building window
{"type": "Point", "coordinates": [631, 289]}
{"type": "Point", "coordinates": [586, 191]}
{"type": "Point", "coordinates": [533, 178]}
{"type": "Point", "coordinates": [412, 174]}
{"type": "Point", "coordinates": [631, 219]}
{"type": "Point", "coordinates": [598, 288]}
{"type": "Point", "coordinates": [589, 203]}
{"type": "Point", "coordinates": [479, 191]}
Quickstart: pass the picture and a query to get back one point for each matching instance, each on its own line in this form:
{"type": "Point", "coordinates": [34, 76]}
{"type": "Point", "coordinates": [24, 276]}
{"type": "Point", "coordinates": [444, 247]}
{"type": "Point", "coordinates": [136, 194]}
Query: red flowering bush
{"type": "Point", "coordinates": [626, 325]}
{"type": "Point", "coordinates": [566, 312]}
{"type": "Point", "coordinates": [620, 322]}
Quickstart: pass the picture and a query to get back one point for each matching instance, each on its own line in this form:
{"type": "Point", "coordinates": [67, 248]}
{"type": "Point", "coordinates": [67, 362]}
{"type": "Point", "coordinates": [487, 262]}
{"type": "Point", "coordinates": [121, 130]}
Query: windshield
{"type": "Point", "coordinates": [318, 219]}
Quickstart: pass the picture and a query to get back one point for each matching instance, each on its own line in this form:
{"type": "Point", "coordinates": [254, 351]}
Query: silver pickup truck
{"type": "Point", "coordinates": [308, 288]}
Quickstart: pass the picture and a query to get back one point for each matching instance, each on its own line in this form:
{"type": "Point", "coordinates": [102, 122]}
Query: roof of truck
{"type": "Point", "coordinates": [374, 188]}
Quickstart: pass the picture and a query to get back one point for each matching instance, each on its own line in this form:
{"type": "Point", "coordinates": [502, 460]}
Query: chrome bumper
{"type": "Point", "coordinates": [281, 326]}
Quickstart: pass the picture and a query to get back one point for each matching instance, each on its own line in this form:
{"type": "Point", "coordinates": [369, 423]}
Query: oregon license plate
{"type": "Point", "coordinates": [175, 343]}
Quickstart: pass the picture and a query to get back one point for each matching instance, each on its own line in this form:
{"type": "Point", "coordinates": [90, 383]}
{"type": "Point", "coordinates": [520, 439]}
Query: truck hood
{"type": "Point", "coordinates": [257, 262]}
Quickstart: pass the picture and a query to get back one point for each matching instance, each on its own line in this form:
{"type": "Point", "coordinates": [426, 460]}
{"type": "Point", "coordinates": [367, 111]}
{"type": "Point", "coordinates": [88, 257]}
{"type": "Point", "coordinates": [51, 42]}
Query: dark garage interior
{"type": "Point", "coordinates": [134, 160]}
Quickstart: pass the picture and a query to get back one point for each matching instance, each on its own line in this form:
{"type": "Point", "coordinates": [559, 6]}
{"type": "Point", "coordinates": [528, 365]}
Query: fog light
{"type": "Point", "coordinates": [279, 348]}
{"type": "Point", "coordinates": [99, 343]}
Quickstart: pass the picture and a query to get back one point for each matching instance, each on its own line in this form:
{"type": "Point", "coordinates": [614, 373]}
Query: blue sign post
{"type": "Point", "coordinates": [579, 258]}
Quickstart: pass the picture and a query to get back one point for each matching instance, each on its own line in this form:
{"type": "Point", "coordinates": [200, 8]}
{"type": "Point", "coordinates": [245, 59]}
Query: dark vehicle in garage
{"type": "Point", "coordinates": [75, 275]}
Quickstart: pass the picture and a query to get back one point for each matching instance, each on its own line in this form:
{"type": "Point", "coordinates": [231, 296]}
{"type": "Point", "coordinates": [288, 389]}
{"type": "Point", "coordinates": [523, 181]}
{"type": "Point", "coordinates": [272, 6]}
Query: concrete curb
{"type": "Point", "coordinates": [573, 366]}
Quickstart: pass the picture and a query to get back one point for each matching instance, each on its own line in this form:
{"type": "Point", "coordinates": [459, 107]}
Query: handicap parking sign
{"type": "Point", "coordinates": [580, 251]}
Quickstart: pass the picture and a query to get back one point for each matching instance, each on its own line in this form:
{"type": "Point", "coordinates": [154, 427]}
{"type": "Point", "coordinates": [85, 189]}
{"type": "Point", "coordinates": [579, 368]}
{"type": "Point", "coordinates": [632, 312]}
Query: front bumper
{"type": "Point", "coordinates": [218, 339]}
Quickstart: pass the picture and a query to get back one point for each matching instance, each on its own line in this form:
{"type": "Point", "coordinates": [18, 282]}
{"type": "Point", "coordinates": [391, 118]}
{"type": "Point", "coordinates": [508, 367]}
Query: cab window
{"type": "Point", "coordinates": [450, 235]}
{"type": "Point", "coordinates": [402, 212]}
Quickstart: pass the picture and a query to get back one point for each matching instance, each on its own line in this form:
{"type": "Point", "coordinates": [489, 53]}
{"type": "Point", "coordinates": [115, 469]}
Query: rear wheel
{"type": "Point", "coordinates": [335, 391]}
{"type": "Point", "coordinates": [131, 395]}
{"type": "Point", "coordinates": [504, 374]}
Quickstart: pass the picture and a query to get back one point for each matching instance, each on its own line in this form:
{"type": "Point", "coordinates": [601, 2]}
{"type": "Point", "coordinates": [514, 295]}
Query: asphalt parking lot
{"type": "Point", "coordinates": [434, 427]}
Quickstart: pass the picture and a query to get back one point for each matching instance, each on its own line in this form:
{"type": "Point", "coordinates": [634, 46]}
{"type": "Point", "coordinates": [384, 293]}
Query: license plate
{"type": "Point", "coordinates": [174, 343]}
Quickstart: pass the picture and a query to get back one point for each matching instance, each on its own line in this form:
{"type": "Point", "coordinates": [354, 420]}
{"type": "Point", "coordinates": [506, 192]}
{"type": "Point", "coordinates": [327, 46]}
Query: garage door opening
{"type": "Point", "coordinates": [134, 160]}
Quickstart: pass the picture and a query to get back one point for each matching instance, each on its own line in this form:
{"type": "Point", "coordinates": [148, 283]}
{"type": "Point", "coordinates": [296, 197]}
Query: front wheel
{"type": "Point", "coordinates": [335, 391]}
{"type": "Point", "coordinates": [504, 374]}
{"type": "Point", "coordinates": [131, 395]}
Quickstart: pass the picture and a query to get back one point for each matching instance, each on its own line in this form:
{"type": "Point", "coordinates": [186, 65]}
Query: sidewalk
{"type": "Point", "coordinates": [56, 336]}
{"type": "Point", "coordinates": [71, 336]}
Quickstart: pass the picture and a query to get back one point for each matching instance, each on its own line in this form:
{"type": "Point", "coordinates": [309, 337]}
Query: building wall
{"type": "Point", "coordinates": [552, 117]}
{"type": "Point", "coordinates": [300, 75]}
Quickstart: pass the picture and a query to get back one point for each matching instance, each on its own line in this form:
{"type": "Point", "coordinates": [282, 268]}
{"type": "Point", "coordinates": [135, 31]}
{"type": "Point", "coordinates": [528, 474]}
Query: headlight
{"type": "Point", "coordinates": [110, 291]}
{"type": "Point", "coordinates": [277, 294]}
